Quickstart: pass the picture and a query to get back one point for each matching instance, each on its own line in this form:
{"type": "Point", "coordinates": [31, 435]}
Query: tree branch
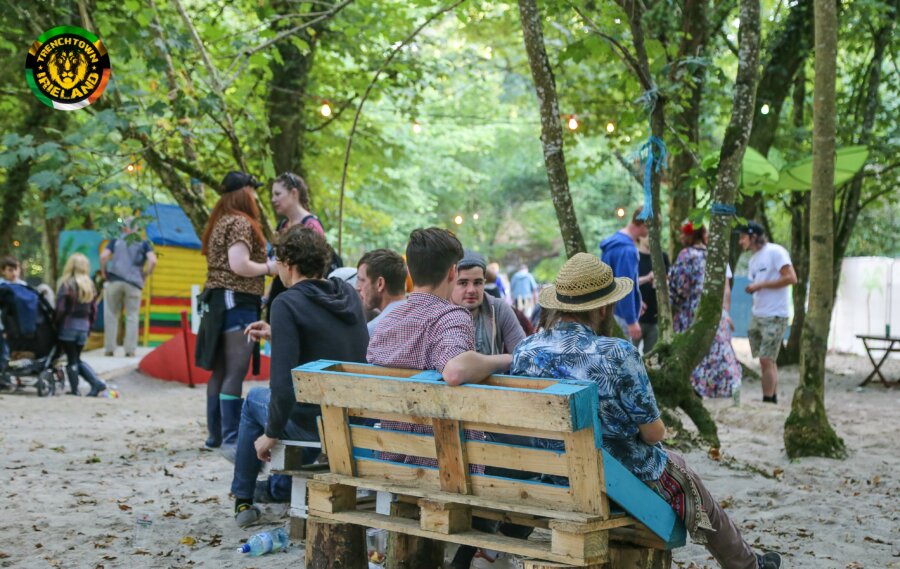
{"type": "Point", "coordinates": [362, 102]}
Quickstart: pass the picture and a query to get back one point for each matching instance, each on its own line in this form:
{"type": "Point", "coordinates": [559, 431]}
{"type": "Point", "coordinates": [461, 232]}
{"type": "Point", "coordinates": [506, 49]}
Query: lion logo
{"type": "Point", "coordinates": [67, 67]}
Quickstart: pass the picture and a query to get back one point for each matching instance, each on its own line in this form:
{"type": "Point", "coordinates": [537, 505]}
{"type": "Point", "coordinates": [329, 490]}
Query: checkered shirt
{"type": "Point", "coordinates": [424, 333]}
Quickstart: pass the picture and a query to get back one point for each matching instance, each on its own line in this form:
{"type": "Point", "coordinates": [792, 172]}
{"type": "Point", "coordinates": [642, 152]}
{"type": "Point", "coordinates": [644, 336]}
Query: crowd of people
{"type": "Point", "coordinates": [438, 307]}
{"type": "Point", "coordinates": [453, 319]}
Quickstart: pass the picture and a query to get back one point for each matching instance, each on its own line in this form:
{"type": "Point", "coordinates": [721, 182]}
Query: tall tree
{"type": "Point", "coordinates": [807, 431]}
{"type": "Point", "coordinates": [551, 127]}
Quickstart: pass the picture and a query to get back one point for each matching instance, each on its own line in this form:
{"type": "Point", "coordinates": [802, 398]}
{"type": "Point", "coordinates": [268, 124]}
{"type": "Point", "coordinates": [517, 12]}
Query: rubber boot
{"type": "Point", "coordinates": [72, 374]}
{"type": "Point", "coordinates": [231, 420]}
{"type": "Point", "coordinates": [90, 375]}
{"type": "Point", "coordinates": [213, 422]}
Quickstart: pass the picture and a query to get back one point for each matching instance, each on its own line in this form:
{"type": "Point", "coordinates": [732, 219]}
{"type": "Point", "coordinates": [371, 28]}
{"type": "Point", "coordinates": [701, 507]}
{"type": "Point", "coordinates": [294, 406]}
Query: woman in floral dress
{"type": "Point", "coordinates": [719, 372]}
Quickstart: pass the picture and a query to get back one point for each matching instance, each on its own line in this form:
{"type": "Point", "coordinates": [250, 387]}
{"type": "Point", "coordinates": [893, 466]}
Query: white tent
{"type": "Point", "coordinates": [867, 302]}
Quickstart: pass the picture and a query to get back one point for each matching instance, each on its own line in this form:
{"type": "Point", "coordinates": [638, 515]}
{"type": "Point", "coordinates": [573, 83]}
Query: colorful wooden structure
{"type": "Point", "coordinates": [180, 265]}
{"type": "Point", "coordinates": [597, 512]}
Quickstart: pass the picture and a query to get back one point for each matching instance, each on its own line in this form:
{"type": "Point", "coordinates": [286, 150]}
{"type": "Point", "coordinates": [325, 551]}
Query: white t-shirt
{"type": "Point", "coordinates": [765, 265]}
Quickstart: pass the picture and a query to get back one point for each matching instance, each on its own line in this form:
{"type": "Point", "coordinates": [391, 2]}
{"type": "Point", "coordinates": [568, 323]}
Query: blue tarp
{"type": "Point", "coordinates": [170, 226]}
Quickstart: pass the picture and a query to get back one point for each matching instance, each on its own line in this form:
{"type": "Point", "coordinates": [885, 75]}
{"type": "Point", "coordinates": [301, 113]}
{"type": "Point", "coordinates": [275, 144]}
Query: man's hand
{"type": "Point", "coordinates": [643, 308]}
{"type": "Point", "coordinates": [259, 330]}
{"type": "Point", "coordinates": [753, 287]}
{"type": "Point", "coordinates": [264, 446]}
{"type": "Point", "coordinates": [634, 330]}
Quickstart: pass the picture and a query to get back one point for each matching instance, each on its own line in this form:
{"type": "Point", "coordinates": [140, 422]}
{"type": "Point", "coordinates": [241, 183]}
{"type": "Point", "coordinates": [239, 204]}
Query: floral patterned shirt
{"type": "Point", "coordinates": [571, 351]}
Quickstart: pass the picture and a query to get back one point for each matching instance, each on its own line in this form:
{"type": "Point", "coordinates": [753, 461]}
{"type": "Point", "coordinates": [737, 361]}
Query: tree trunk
{"type": "Point", "coordinates": [333, 545]}
{"type": "Point", "coordinates": [681, 356]}
{"type": "Point", "coordinates": [786, 55]}
{"type": "Point", "coordinates": [551, 127]}
{"type": "Point", "coordinates": [687, 120]}
{"type": "Point", "coordinates": [799, 207]}
{"type": "Point", "coordinates": [189, 197]}
{"type": "Point", "coordinates": [15, 187]}
{"type": "Point", "coordinates": [807, 431]}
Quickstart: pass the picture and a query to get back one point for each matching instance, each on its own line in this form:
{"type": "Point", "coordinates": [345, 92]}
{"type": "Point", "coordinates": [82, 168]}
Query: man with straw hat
{"type": "Point", "coordinates": [576, 344]}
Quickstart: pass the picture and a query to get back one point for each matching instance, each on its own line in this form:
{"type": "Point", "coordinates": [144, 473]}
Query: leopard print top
{"type": "Point", "coordinates": [231, 229]}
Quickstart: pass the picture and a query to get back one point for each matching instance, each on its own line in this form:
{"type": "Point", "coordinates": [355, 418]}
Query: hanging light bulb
{"type": "Point", "coordinates": [458, 220]}
{"type": "Point", "coordinates": [129, 168]}
{"type": "Point", "coordinates": [573, 122]}
{"type": "Point", "coordinates": [610, 127]}
{"type": "Point", "coordinates": [620, 212]}
{"type": "Point", "coordinates": [475, 216]}
{"type": "Point", "coordinates": [764, 109]}
{"type": "Point", "coordinates": [417, 128]}
{"type": "Point", "coordinates": [326, 109]}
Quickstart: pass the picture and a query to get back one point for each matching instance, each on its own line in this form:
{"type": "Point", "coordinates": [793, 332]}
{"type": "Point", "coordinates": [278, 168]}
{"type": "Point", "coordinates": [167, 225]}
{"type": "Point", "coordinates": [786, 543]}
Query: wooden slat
{"type": "Point", "coordinates": [363, 369]}
{"type": "Point", "coordinates": [501, 489]}
{"type": "Point", "coordinates": [393, 441]}
{"type": "Point", "coordinates": [507, 430]}
{"type": "Point", "coordinates": [517, 458]}
{"type": "Point", "coordinates": [526, 548]}
{"type": "Point", "coordinates": [389, 485]}
{"type": "Point", "coordinates": [451, 456]}
{"type": "Point", "coordinates": [385, 416]}
{"type": "Point", "coordinates": [555, 408]}
{"type": "Point", "coordinates": [518, 382]}
{"type": "Point", "coordinates": [337, 440]}
{"type": "Point", "coordinates": [586, 473]}
{"type": "Point", "coordinates": [637, 536]}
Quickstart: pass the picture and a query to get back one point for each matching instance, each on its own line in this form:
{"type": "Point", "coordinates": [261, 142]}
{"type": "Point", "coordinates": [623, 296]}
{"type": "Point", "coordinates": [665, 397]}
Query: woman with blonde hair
{"type": "Point", "coordinates": [75, 314]}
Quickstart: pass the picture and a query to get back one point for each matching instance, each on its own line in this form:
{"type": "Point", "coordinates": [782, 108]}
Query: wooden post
{"type": "Point", "coordinates": [625, 557]}
{"type": "Point", "coordinates": [410, 552]}
{"type": "Point", "coordinates": [331, 545]}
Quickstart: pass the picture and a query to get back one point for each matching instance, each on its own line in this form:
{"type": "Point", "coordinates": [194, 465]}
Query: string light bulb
{"type": "Point", "coordinates": [16, 243]}
{"type": "Point", "coordinates": [475, 216]}
{"type": "Point", "coordinates": [458, 220]}
{"type": "Point", "coordinates": [326, 109]}
{"type": "Point", "coordinates": [573, 122]}
{"type": "Point", "coordinates": [620, 212]}
{"type": "Point", "coordinates": [610, 127]}
{"type": "Point", "coordinates": [417, 128]}
{"type": "Point", "coordinates": [764, 109]}
{"type": "Point", "coordinates": [129, 168]}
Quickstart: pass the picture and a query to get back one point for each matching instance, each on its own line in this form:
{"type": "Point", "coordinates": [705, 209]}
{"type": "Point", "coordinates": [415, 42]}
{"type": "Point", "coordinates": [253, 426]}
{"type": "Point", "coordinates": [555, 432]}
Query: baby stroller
{"type": "Point", "coordinates": [32, 358]}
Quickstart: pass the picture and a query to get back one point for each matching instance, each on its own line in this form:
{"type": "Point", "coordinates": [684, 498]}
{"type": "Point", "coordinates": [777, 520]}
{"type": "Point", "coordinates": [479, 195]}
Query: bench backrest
{"type": "Point", "coordinates": [563, 414]}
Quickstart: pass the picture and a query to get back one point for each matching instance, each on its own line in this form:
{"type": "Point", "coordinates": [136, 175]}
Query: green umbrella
{"type": "Point", "coordinates": [756, 170]}
{"type": "Point", "coordinates": [848, 161]}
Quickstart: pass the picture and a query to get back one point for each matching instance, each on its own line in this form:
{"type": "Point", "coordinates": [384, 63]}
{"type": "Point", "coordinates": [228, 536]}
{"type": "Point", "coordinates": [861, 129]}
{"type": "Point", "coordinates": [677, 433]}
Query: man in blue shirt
{"type": "Point", "coordinates": [621, 253]}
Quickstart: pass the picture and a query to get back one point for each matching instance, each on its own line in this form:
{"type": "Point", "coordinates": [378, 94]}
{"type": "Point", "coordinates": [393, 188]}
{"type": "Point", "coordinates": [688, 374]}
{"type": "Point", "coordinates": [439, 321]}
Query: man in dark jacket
{"type": "Point", "coordinates": [621, 254]}
{"type": "Point", "coordinates": [315, 318]}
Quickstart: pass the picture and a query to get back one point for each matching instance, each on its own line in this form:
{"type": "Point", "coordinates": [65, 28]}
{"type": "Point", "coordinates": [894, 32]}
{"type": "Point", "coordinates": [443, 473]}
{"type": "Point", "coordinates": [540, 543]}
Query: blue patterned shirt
{"type": "Point", "coordinates": [572, 351]}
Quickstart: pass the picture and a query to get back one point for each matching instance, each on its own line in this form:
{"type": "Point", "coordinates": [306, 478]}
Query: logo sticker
{"type": "Point", "coordinates": [67, 68]}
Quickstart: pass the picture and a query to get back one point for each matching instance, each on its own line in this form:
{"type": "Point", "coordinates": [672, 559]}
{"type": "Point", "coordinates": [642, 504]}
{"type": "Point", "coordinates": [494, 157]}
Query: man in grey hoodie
{"type": "Point", "coordinates": [497, 330]}
{"type": "Point", "coordinates": [620, 252]}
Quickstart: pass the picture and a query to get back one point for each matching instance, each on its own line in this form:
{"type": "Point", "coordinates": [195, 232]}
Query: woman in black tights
{"type": "Point", "coordinates": [75, 314]}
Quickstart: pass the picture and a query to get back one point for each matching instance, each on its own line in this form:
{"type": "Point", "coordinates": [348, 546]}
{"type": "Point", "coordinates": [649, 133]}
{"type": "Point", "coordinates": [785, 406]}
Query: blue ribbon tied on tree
{"type": "Point", "coordinates": [652, 161]}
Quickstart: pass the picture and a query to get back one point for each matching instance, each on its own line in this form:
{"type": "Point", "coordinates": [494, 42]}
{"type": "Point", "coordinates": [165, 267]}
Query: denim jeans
{"type": "Point", "coordinates": [254, 415]}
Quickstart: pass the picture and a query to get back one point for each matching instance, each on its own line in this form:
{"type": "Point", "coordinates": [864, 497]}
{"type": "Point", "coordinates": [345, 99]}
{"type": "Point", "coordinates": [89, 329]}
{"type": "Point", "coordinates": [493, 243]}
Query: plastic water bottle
{"type": "Point", "coordinates": [265, 542]}
{"type": "Point", "coordinates": [143, 528]}
{"type": "Point", "coordinates": [736, 395]}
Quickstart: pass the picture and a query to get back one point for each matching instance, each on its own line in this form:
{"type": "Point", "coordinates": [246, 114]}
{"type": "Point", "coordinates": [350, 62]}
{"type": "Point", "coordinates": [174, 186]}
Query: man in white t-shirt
{"type": "Point", "coordinates": [771, 274]}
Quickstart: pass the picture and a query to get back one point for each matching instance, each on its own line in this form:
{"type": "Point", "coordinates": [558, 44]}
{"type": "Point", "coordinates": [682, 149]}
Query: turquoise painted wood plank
{"type": "Point", "coordinates": [642, 503]}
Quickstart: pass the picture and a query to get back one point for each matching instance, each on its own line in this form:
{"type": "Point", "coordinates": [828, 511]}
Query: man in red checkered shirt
{"type": "Point", "coordinates": [430, 332]}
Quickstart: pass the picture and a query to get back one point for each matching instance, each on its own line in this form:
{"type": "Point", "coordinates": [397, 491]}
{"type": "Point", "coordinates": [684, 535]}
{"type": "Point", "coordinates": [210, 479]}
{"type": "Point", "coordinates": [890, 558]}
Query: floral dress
{"type": "Point", "coordinates": [719, 372]}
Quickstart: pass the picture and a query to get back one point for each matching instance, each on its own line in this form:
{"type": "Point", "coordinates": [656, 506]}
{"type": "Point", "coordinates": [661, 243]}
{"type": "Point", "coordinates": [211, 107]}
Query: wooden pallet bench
{"type": "Point", "coordinates": [603, 515]}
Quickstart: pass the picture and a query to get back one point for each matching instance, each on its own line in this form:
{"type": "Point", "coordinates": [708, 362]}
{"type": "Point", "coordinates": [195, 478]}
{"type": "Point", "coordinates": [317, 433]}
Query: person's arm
{"type": "Point", "coordinates": [239, 262]}
{"type": "Point", "coordinates": [726, 301]}
{"type": "Point", "coordinates": [654, 432]}
{"type": "Point", "coordinates": [787, 277]}
{"type": "Point", "coordinates": [104, 259]}
{"type": "Point", "coordinates": [150, 261]}
{"type": "Point", "coordinates": [285, 356]}
{"type": "Point", "coordinates": [472, 367]}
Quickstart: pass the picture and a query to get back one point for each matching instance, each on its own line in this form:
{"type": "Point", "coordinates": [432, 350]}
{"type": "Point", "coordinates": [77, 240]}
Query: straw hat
{"type": "Point", "coordinates": [584, 283]}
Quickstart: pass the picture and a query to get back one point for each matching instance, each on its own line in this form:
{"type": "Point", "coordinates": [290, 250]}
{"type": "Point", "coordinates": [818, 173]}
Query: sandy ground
{"type": "Point", "coordinates": [76, 472]}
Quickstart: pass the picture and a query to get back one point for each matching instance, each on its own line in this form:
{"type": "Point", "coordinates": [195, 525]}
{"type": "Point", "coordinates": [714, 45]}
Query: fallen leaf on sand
{"type": "Point", "coordinates": [188, 540]}
{"type": "Point", "coordinates": [777, 472]}
{"type": "Point", "coordinates": [58, 449]}
{"type": "Point", "coordinates": [855, 565]}
{"type": "Point", "coordinates": [215, 540]}
{"type": "Point", "coordinates": [714, 453]}
{"type": "Point", "coordinates": [875, 540]}
{"type": "Point", "coordinates": [3, 555]}
{"type": "Point", "coordinates": [124, 507]}
{"type": "Point", "coordinates": [35, 445]}
{"type": "Point", "coordinates": [92, 459]}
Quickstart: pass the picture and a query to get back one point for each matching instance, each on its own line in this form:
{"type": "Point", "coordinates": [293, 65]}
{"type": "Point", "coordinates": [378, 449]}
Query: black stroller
{"type": "Point", "coordinates": [32, 358]}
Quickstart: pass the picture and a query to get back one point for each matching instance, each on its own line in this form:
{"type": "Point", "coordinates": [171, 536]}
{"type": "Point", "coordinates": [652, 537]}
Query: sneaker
{"type": "Point", "coordinates": [129, 354]}
{"type": "Point", "coordinates": [247, 515]}
{"type": "Point", "coordinates": [769, 560]}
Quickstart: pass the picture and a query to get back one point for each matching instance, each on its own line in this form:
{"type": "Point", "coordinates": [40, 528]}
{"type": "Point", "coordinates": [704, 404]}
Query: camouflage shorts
{"type": "Point", "coordinates": [766, 336]}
